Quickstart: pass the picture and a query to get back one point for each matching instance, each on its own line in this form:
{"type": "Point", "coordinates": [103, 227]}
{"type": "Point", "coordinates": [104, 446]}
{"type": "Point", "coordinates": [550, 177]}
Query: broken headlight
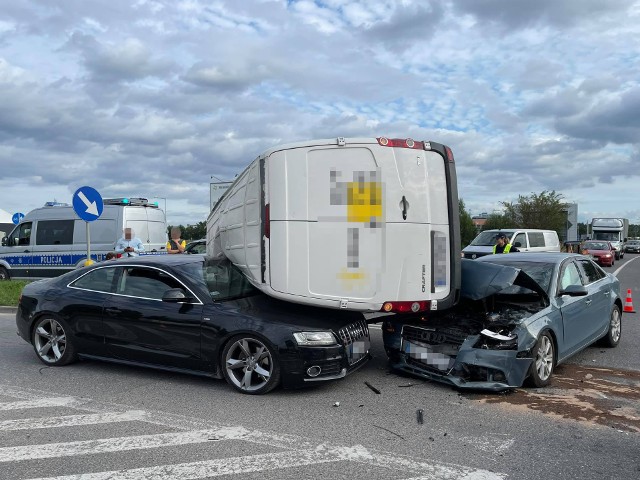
{"type": "Point", "coordinates": [491, 340]}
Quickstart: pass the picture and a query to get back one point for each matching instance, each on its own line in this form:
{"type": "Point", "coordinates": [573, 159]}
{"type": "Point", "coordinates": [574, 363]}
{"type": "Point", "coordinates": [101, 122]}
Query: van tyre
{"type": "Point", "coordinates": [544, 361]}
{"type": "Point", "coordinates": [612, 338]}
{"type": "Point", "coordinates": [250, 364]}
{"type": "Point", "coordinates": [52, 342]}
{"type": "Point", "coordinates": [4, 274]}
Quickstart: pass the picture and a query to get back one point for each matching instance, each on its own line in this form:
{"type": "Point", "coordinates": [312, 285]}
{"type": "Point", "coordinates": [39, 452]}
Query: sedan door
{"type": "Point", "coordinates": [577, 312]}
{"type": "Point", "coordinates": [140, 327]}
{"type": "Point", "coordinates": [599, 288]}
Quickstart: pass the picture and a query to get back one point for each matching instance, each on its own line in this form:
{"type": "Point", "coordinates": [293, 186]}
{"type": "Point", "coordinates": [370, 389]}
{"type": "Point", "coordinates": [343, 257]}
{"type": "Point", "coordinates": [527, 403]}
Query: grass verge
{"type": "Point", "coordinates": [10, 292]}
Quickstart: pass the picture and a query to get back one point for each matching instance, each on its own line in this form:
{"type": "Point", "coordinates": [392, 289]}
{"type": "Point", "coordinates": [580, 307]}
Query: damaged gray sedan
{"type": "Point", "coordinates": [519, 316]}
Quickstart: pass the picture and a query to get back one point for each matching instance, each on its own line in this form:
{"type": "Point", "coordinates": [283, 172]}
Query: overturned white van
{"type": "Point", "coordinates": [364, 224]}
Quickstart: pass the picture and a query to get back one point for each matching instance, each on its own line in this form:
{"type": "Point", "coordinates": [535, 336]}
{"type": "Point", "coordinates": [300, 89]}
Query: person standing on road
{"type": "Point", "coordinates": [502, 245]}
{"type": "Point", "coordinates": [175, 244]}
{"type": "Point", "coordinates": [129, 245]}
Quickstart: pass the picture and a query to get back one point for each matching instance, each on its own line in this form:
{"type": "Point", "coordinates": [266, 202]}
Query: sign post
{"type": "Point", "coordinates": [17, 217]}
{"type": "Point", "coordinates": [88, 205]}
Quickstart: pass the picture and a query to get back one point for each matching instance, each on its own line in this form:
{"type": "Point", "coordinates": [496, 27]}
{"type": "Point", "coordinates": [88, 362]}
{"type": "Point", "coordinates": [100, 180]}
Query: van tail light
{"type": "Point", "coordinates": [400, 142]}
{"type": "Point", "coordinates": [267, 221]}
{"type": "Point", "coordinates": [449, 153]}
{"type": "Point", "coordinates": [406, 307]}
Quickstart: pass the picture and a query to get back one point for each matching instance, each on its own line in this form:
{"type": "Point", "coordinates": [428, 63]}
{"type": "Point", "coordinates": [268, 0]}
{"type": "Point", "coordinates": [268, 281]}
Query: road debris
{"type": "Point", "coordinates": [387, 430]}
{"type": "Point", "coordinates": [420, 416]}
{"type": "Point", "coordinates": [372, 388]}
{"type": "Point", "coordinates": [337, 404]}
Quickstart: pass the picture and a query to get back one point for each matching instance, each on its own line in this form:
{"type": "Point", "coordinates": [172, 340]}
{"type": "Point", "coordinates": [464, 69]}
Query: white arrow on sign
{"type": "Point", "coordinates": [92, 207]}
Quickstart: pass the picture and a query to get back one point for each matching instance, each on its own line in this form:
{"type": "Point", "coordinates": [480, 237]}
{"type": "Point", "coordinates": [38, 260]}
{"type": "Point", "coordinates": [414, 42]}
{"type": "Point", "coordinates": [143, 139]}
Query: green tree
{"type": "Point", "coordinates": [467, 228]}
{"type": "Point", "coordinates": [497, 221]}
{"type": "Point", "coordinates": [582, 229]}
{"type": "Point", "coordinates": [190, 232]}
{"type": "Point", "coordinates": [545, 210]}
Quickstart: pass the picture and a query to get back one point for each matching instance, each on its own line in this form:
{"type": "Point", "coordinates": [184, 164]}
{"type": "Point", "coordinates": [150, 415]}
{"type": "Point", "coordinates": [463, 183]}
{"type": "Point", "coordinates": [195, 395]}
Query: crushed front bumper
{"type": "Point", "coordinates": [471, 368]}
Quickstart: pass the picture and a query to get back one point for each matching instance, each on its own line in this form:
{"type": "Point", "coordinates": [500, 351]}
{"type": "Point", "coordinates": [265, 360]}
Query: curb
{"type": "Point", "coordinates": [4, 309]}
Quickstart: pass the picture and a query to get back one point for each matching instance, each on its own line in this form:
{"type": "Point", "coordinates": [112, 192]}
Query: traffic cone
{"type": "Point", "coordinates": [628, 304]}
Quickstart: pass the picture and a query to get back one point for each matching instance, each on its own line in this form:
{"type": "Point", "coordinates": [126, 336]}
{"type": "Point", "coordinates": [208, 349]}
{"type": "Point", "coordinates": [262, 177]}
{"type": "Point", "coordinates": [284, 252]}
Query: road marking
{"type": "Point", "coordinates": [213, 468]}
{"type": "Point", "coordinates": [117, 444]}
{"type": "Point", "coordinates": [622, 266]}
{"type": "Point", "coordinates": [299, 451]}
{"type": "Point", "coordinates": [71, 420]}
{"type": "Point", "coordinates": [40, 403]}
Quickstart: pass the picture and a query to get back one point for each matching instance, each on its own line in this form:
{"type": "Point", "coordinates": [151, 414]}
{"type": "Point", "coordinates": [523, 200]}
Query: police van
{"type": "Point", "coordinates": [52, 240]}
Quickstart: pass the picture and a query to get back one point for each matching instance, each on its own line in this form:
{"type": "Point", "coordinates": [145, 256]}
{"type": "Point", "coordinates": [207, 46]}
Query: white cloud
{"type": "Point", "coordinates": [153, 97]}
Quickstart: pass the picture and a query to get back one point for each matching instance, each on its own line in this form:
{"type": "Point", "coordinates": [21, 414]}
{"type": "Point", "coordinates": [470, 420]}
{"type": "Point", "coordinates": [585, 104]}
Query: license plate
{"type": "Point", "coordinates": [426, 355]}
{"type": "Point", "coordinates": [357, 350]}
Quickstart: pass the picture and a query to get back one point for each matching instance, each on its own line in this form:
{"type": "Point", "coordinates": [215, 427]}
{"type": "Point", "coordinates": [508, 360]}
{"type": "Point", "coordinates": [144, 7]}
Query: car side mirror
{"type": "Point", "coordinates": [175, 295]}
{"type": "Point", "coordinates": [5, 240]}
{"type": "Point", "coordinates": [574, 291]}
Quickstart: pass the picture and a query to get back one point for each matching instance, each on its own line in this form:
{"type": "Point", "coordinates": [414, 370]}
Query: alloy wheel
{"type": "Point", "coordinates": [544, 358]}
{"type": "Point", "coordinates": [50, 340]}
{"type": "Point", "coordinates": [249, 364]}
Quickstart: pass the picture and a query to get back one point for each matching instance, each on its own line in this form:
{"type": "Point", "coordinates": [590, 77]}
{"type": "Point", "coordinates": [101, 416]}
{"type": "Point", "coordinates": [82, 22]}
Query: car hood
{"type": "Point", "coordinates": [597, 252]}
{"type": "Point", "coordinates": [483, 279]}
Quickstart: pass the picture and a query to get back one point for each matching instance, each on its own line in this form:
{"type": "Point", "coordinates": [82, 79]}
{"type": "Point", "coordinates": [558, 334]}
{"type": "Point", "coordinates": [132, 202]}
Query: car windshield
{"type": "Point", "coordinates": [221, 279]}
{"type": "Point", "coordinates": [487, 239]}
{"type": "Point", "coordinates": [539, 271]}
{"type": "Point", "coordinates": [596, 246]}
{"type": "Point", "coordinates": [609, 236]}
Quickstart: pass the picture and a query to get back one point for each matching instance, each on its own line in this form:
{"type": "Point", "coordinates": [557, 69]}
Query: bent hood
{"type": "Point", "coordinates": [483, 279]}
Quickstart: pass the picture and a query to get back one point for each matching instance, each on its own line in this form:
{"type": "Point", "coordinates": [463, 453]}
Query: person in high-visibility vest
{"type": "Point", "coordinates": [502, 245]}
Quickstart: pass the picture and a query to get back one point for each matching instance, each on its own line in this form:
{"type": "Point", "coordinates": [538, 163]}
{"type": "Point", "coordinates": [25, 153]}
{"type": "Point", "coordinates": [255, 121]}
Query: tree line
{"type": "Point", "coordinates": [545, 210]}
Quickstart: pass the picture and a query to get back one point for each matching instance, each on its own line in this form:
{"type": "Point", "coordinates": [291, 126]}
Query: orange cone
{"type": "Point", "coordinates": [628, 304]}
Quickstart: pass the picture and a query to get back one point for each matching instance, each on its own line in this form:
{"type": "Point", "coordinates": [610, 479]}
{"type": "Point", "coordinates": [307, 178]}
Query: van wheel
{"type": "Point", "coordinates": [4, 274]}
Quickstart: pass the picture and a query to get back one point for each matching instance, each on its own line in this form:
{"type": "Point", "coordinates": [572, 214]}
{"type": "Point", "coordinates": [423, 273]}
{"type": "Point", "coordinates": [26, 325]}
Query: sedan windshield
{"type": "Point", "coordinates": [487, 239]}
{"type": "Point", "coordinates": [596, 246]}
{"type": "Point", "coordinates": [540, 272]}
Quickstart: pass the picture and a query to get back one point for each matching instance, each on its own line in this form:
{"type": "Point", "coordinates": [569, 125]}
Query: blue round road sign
{"type": "Point", "coordinates": [17, 217]}
{"type": "Point", "coordinates": [88, 204]}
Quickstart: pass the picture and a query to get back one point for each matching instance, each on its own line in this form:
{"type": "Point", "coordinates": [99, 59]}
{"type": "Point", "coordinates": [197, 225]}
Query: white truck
{"type": "Point", "coordinates": [368, 224]}
{"type": "Point", "coordinates": [614, 230]}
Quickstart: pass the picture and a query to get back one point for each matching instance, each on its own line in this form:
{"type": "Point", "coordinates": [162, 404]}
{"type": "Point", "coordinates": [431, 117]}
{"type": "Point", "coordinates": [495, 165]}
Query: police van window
{"type": "Point", "coordinates": [536, 239]}
{"type": "Point", "coordinates": [99, 280]}
{"type": "Point", "coordinates": [54, 232]}
{"type": "Point", "coordinates": [101, 231]}
{"type": "Point", "coordinates": [520, 241]}
{"type": "Point", "coordinates": [593, 273]}
{"type": "Point", "coordinates": [21, 235]}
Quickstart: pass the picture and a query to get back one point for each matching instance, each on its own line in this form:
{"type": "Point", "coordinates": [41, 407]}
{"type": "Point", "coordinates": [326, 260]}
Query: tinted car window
{"type": "Point", "coordinates": [55, 232]}
{"type": "Point", "coordinates": [100, 280]}
{"type": "Point", "coordinates": [536, 239]}
{"type": "Point", "coordinates": [592, 272]}
{"type": "Point", "coordinates": [146, 282]}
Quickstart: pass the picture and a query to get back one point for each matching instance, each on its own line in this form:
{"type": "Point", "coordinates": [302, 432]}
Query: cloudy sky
{"type": "Point", "coordinates": [153, 97]}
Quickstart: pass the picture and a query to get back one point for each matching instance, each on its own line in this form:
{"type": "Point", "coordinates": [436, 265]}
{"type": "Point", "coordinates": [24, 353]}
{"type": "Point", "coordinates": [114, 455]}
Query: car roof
{"type": "Point", "coordinates": [154, 260]}
{"type": "Point", "coordinates": [533, 257]}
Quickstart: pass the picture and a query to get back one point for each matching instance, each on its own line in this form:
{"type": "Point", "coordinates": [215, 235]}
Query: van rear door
{"type": "Point", "coordinates": [363, 221]}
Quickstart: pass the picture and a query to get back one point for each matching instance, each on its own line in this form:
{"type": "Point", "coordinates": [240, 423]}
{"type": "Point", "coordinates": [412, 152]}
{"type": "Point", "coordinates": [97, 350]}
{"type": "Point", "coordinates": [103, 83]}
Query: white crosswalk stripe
{"type": "Point", "coordinates": [71, 420]}
{"type": "Point", "coordinates": [40, 403]}
{"type": "Point", "coordinates": [290, 451]}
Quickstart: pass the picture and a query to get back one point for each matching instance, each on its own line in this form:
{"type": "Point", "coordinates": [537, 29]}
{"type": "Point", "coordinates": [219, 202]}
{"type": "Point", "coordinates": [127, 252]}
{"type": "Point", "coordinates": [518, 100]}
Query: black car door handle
{"type": "Point", "coordinates": [113, 311]}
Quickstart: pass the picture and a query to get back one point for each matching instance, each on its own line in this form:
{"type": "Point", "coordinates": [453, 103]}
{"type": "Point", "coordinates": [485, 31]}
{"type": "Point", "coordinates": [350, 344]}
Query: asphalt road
{"type": "Point", "coordinates": [104, 421]}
